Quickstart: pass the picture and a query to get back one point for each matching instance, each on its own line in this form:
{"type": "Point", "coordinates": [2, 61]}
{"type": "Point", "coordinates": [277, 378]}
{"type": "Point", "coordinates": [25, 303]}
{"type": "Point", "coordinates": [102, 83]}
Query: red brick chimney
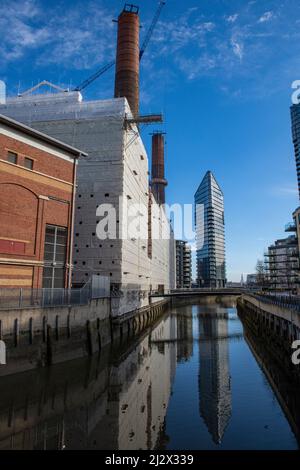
{"type": "Point", "coordinates": [127, 61]}
{"type": "Point", "coordinates": [158, 181]}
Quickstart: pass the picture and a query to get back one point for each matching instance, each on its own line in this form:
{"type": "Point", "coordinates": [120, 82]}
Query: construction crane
{"type": "Point", "coordinates": [151, 29]}
{"type": "Point", "coordinates": [104, 69]}
{"type": "Point", "coordinates": [94, 77]}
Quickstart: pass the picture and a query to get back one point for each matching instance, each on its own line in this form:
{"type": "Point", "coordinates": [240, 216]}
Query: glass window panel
{"type": "Point", "coordinates": [12, 157]}
{"type": "Point", "coordinates": [28, 163]}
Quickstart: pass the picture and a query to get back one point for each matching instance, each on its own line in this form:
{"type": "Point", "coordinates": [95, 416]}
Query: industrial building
{"type": "Point", "coordinates": [115, 174]}
{"type": "Point", "coordinates": [183, 265]}
{"type": "Point", "coordinates": [37, 194]}
{"type": "Point", "coordinates": [210, 233]}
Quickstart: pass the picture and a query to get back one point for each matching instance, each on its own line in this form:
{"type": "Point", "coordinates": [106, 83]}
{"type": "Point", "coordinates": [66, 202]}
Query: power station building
{"type": "Point", "coordinates": [113, 181]}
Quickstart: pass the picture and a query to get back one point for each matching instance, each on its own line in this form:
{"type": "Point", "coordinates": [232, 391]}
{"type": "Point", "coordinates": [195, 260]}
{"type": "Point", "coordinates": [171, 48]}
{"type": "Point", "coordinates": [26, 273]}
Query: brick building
{"type": "Point", "coordinates": [37, 193]}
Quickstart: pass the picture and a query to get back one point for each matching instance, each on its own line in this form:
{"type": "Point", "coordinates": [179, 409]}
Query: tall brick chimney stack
{"type": "Point", "coordinates": [158, 181]}
{"type": "Point", "coordinates": [127, 61]}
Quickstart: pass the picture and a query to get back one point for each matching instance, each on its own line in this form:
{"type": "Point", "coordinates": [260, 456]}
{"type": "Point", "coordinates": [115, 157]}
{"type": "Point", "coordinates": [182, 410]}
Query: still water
{"type": "Point", "coordinates": [192, 381]}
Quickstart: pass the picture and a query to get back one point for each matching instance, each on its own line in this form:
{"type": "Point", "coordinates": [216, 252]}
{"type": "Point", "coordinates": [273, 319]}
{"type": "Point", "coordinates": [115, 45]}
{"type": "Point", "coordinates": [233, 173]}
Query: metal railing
{"type": "Point", "coordinates": [291, 302]}
{"type": "Point", "coordinates": [14, 298]}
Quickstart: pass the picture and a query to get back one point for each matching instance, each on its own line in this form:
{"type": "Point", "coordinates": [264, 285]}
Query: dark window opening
{"type": "Point", "coordinates": [28, 163]}
{"type": "Point", "coordinates": [12, 157]}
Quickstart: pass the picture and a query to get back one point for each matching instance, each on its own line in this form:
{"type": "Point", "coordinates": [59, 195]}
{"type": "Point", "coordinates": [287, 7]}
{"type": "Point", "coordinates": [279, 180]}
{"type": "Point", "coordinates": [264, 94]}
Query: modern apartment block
{"type": "Point", "coordinates": [210, 233]}
{"type": "Point", "coordinates": [37, 194]}
{"type": "Point", "coordinates": [295, 116]}
{"type": "Point", "coordinates": [183, 265]}
{"type": "Point", "coordinates": [283, 264]}
{"type": "Point", "coordinates": [295, 226]}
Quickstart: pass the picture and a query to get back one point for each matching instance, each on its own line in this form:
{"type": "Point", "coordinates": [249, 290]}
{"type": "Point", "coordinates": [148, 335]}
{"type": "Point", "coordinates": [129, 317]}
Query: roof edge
{"type": "Point", "coordinates": [40, 135]}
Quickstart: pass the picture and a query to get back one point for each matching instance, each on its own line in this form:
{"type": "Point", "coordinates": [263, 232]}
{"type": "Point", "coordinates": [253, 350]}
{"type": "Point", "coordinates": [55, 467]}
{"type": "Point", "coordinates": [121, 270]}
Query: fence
{"type": "Point", "coordinates": [287, 301]}
{"type": "Point", "coordinates": [11, 298]}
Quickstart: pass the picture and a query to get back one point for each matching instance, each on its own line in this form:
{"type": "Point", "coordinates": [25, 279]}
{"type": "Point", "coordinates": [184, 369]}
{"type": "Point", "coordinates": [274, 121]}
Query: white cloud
{"type": "Point", "coordinates": [232, 18]}
{"type": "Point", "coordinates": [237, 47]}
{"type": "Point", "coordinates": [267, 16]}
{"type": "Point", "coordinates": [196, 44]}
{"type": "Point", "coordinates": [81, 37]}
{"type": "Point", "coordinates": [285, 191]}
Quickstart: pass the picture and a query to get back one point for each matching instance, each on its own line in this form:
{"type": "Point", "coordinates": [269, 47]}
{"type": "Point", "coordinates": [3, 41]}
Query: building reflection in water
{"type": "Point", "coordinates": [214, 373]}
{"type": "Point", "coordinates": [184, 333]}
{"type": "Point", "coordinates": [117, 401]}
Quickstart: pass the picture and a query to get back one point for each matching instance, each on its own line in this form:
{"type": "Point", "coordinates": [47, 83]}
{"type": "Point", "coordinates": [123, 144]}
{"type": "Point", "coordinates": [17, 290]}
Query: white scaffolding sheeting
{"type": "Point", "coordinates": [61, 106]}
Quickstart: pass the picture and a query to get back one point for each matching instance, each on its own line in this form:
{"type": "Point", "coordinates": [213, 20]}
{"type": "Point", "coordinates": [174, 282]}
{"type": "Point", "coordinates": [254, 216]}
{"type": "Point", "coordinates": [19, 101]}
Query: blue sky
{"type": "Point", "coordinates": [221, 72]}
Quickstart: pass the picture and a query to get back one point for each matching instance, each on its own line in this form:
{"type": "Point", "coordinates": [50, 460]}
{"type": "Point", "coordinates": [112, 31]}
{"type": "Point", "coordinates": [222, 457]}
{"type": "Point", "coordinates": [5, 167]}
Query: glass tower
{"type": "Point", "coordinates": [295, 114]}
{"type": "Point", "coordinates": [210, 233]}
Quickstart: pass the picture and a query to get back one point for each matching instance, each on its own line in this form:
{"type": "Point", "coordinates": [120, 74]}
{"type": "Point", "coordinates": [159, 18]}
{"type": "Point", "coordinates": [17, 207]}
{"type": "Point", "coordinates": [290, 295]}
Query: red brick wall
{"type": "Point", "coordinates": [44, 162]}
{"type": "Point", "coordinates": [24, 213]}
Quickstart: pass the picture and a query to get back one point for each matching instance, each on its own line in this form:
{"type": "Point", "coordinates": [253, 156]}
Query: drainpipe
{"type": "Point", "coordinates": [72, 222]}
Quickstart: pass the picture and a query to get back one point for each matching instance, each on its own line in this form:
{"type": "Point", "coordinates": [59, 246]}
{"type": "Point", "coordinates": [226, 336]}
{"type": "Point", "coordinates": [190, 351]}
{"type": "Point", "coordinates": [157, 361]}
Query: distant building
{"type": "Point", "coordinates": [37, 193]}
{"type": "Point", "coordinates": [183, 265]}
{"type": "Point", "coordinates": [283, 264]}
{"type": "Point", "coordinates": [210, 233]}
{"type": "Point", "coordinates": [233, 284]}
{"type": "Point", "coordinates": [251, 279]}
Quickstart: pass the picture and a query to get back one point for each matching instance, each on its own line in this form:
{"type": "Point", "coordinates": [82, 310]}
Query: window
{"type": "Point", "coordinates": [55, 252]}
{"type": "Point", "coordinates": [12, 157]}
{"type": "Point", "coordinates": [28, 163]}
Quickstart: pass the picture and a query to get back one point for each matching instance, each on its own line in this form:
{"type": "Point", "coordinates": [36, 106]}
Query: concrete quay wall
{"type": "Point", "coordinates": [38, 337]}
{"type": "Point", "coordinates": [276, 326]}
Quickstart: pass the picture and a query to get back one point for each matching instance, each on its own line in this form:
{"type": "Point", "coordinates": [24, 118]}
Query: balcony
{"type": "Point", "coordinates": [291, 227]}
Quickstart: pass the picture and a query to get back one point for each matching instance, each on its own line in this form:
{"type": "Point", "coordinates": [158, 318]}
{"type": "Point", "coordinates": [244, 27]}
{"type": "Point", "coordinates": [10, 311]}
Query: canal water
{"type": "Point", "coordinates": [192, 381]}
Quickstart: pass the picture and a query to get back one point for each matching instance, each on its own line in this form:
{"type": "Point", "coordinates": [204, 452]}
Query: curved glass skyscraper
{"type": "Point", "coordinates": [210, 233]}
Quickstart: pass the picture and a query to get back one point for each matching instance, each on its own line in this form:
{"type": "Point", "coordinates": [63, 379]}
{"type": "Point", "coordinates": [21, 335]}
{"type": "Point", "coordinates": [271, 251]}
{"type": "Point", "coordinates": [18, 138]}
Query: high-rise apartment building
{"type": "Point", "coordinates": [210, 233]}
{"type": "Point", "coordinates": [295, 116]}
{"type": "Point", "coordinates": [183, 265]}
